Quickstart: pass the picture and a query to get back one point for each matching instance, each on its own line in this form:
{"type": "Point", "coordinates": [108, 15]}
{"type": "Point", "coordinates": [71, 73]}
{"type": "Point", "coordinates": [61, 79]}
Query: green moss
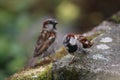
{"type": "Point", "coordinates": [60, 53]}
{"type": "Point", "coordinates": [40, 73]}
{"type": "Point", "coordinates": [115, 18]}
{"type": "Point", "coordinates": [95, 34]}
{"type": "Point", "coordinates": [46, 75]}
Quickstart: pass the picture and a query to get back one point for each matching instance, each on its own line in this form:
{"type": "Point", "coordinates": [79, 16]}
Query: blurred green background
{"type": "Point", "coordinates": [20, 22]}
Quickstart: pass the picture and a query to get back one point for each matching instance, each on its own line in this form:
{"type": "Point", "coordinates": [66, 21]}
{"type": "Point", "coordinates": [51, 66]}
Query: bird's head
{"type": "Point", "coordinates": [50, 24]}
{"type": "Point", "coordinates": [70, 39]}
{"type": "Point", "coordinates": [70, 43]}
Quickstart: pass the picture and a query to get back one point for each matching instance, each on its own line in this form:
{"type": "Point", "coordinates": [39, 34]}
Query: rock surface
{"type": "Point", "coordinates": [102, 62]}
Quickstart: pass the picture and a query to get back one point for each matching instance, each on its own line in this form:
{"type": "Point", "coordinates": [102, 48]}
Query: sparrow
{"type": "Point", "coordinates": [76, 44]}
{"type": "Point", "coordinates": [45, 39]}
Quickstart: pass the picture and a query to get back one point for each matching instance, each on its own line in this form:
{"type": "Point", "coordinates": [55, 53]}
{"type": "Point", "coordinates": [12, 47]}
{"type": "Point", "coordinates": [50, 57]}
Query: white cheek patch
{"type": "Point", "coordinates": [73, 41]}
{"type": "Point", "coordinates": [49, 26]}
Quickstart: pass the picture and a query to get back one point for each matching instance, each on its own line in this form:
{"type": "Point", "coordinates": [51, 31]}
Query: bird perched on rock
{"type": "Point", "coordinates": [76, 44]}
{"type": "Point", "coordinates": [45, 39]}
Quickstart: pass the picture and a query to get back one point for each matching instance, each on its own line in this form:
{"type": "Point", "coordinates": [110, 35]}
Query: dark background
{"type": "Point", "coordinates": [20, 24]}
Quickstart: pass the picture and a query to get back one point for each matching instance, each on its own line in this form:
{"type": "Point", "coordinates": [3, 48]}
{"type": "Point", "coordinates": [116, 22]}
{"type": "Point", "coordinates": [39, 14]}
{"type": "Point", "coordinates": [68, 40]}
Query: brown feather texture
{"type": "Point", "coordinates": [45, 39]}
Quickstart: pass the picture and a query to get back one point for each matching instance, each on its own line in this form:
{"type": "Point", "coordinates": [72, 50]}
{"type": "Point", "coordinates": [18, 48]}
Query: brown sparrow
{"type": "Point", "coordinates": [45, 39]}
{"type": "Point", "coordinates": [75, 44]}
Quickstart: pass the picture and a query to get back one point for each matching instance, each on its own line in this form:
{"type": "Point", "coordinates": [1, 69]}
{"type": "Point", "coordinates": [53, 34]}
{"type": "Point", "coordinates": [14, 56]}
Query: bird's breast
{"type": "Point", "coordinates": [72, 48]}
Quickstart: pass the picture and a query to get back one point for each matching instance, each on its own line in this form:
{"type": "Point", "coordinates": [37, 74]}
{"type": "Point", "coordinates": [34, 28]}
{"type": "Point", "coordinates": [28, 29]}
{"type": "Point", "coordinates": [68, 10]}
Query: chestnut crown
{"type": "Point", "coordinates": [49, 24]}
{"type": "Point", "coordinates": [70, 39]}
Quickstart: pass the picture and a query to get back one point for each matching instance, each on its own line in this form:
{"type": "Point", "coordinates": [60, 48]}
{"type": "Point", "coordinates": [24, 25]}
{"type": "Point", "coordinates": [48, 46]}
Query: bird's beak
{"type": "Point", "coordinates": [55, 24]}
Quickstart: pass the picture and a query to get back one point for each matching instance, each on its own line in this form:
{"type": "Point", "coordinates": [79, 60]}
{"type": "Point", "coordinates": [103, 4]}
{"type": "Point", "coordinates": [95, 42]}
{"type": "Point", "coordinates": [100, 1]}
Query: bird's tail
{"type": "Point", "coordinates": [32, 62]}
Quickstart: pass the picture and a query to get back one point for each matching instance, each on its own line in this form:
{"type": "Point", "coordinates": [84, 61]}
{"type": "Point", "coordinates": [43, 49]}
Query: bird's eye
{"type": "Point", "coordinates": [49, 22]}
{"type": "Point", "coordinates": [67, 39]}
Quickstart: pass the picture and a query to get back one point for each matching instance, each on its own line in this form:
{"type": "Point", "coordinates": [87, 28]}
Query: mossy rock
{"type": "Point", "coordinates": [115, 18]}
{"type": "Point", "coordinates": [43, 71]}
{"type": "Point", "coordinates": [39, 73]}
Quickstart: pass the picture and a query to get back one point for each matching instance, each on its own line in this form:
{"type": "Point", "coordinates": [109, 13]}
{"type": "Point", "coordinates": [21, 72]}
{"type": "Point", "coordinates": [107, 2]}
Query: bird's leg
{"type": "Point", "coordinates": [47, 56]}
{"type": "Point", "coordinates": [72, 60]}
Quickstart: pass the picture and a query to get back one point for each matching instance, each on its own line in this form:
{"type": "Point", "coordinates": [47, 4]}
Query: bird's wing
{"type": "Point", "coordinates": [43, 43]}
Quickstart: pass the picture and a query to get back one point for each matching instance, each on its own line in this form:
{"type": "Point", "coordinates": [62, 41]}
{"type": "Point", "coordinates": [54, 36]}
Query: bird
{"type": "Point", "coordinates": [76, 44]}
{"type": "Point", "coordinates": [45, 40]}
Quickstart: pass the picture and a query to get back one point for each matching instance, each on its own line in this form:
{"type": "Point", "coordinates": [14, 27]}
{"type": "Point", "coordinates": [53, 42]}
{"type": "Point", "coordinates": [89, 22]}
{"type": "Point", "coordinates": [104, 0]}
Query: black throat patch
{"type": "Point", "coordinates": [72, 48]}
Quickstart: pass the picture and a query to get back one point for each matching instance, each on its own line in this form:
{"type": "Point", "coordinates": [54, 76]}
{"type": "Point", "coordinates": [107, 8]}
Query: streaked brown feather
{"type": "Point", "coordinates": [44, 42]}
{"type": "Point", "coordinates": [86, 43]}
